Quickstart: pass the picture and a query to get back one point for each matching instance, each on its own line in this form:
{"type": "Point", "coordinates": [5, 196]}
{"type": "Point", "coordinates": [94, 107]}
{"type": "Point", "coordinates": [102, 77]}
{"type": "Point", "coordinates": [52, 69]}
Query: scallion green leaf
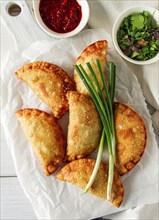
{"type": "Point", "coordinates": [104, 107]}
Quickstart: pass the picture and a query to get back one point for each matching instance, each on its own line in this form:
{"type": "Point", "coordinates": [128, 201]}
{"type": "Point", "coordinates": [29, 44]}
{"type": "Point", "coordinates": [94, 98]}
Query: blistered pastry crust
{"type": "Point", "coordinates": [97, 50]}
{"type": "Point", "coordinates": [45, 136]}
{"type": "Point", "coordinates": [50, 83]}
{"type": "Point", "coordinates": [78, 172]}
{"type": "Point", "coordinates": [131, 138]}
{"type": "Point", "coordinates": [84, 130]}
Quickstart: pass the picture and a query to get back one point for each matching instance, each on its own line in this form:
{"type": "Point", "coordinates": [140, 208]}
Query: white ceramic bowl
{"type": "Point", "coordinates": [117, 24]}
{"type": "Point", "coordinates": [85, 16]}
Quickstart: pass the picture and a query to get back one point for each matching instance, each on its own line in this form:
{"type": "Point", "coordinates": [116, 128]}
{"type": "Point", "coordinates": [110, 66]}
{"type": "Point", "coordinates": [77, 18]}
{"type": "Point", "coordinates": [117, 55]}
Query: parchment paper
{"type": "Point", "coordinates": [50, 198]}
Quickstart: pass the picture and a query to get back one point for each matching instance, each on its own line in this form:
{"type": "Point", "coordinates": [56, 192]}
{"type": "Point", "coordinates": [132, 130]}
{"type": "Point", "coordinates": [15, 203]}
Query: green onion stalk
{"type": "Point", "coordinates": [104, 107]}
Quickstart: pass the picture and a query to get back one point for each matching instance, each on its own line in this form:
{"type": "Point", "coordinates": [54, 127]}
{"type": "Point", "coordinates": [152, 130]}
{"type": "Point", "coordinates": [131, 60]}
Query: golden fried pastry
{"type": "Point", "coordinates": [131, 138]}
{"type": "Point", "coordinates": [84, 130]}
{"type": "Point", "coordinates": [79, 172]}
{"type": "Point", "coordinates": [50, 83]}
{"type": "Point", "coordinates": [45, 136]}
{"type": "Point", "coordinates": [93, 52]}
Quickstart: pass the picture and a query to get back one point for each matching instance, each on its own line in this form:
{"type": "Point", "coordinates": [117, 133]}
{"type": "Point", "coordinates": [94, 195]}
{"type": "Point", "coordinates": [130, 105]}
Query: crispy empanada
{"type": "Point", "coordinates": [79, 172]}
{"type": "Point", "coordinates": [93, 52]}
{"type": "Point", "coordinates": [45, 136]}
{"type": "Point", "coordinates": [50, 83]}
{"type": "Point", "coordinates": [84, 130]}
{"type": "Point", "coordinates": [131, 138]}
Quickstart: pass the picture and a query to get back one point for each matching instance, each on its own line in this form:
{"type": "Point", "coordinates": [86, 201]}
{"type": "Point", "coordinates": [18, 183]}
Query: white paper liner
{"type": "Point", "coordinates": [50, 198]}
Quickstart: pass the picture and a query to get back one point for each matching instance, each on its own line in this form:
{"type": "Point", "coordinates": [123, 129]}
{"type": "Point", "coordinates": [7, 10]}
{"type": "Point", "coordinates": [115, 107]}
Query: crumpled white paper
{"type": "Point", "coordinates": [50, 198]}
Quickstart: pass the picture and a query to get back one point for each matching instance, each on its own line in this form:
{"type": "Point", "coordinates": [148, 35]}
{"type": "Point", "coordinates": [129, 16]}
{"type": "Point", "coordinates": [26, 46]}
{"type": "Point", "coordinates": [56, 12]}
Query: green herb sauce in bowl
{"type": "Point", "coordinates": [136, 35]}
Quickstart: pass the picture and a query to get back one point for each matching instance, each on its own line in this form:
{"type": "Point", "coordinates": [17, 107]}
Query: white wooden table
{"type": "Point", "coordinates": [14, 204]}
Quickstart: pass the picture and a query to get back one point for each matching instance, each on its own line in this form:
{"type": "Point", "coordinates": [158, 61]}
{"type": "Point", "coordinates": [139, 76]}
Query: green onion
{"type": "Point", "coordinates": [105, 109]}
{"type": "Point", "coordinates": [99, 89]}
{"type": "Point", "coordinates": [97, 164]}
{"type": "Point", "coordinates": [112, 80]}
{"type": "Point", "coordinates": [97, 101]}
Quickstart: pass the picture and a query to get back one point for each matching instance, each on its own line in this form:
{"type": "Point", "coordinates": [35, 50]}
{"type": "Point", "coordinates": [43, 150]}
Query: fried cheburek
{"type": "Point", "coordinates": [50, 83]}
{"type": "Point", "coordinates": [78, 172]}
{"type": "Point", "coordinates": [130, 137]}
{"type": "Point", "coordinates": [97, 50]}
{"type": "Point", "coordinates": [84, 130]}
{"type": "Point", "coordinates": [45, 136]}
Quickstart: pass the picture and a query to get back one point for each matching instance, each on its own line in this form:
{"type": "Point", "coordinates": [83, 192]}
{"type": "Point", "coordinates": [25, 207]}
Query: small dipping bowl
{"type": "Point", "coordinates": [83, 21]}
{"type": "Point", "coordinates": [154, 12]}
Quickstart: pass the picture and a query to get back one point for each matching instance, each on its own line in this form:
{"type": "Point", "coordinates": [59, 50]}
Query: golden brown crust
{"type": "Point", "coordinates": [84, 130]}
{"type": "Point", "coordinates": [78, 172]}
{"type": "Point", "coordinates": [50, 83]}
{"type": "Point", "coordinates": [45, 136]}
{"type": "Point", "coordinates": [94, 51]}
{"type": "Point", "coordinates": [131, 138]}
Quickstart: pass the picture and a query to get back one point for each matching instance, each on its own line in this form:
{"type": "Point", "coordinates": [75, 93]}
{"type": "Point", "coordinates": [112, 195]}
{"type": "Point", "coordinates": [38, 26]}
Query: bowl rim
{"type": "Point", "coordinates": [85, 8]}
{"type": "Point", "coordinates": [117, 24]}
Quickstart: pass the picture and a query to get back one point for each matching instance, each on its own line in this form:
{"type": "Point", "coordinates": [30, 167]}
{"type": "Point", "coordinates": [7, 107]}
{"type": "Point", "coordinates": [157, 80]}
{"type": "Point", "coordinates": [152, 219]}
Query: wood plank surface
{"type": "Point", "coordinates": [7, 165]}
{"type": "Point", "coordinates": [14, 204]}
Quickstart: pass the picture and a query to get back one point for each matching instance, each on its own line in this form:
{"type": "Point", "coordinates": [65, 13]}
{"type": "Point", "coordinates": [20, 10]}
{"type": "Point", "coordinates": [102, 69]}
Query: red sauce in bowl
{"type": "Point", "coordinates": [61, 16]}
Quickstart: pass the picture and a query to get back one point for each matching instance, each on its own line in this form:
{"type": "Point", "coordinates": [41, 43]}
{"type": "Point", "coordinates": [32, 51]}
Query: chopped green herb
{"type": "Point", "coordinates": [138, 36]}
{"type": "Point", "coordinates": [137, 20]}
